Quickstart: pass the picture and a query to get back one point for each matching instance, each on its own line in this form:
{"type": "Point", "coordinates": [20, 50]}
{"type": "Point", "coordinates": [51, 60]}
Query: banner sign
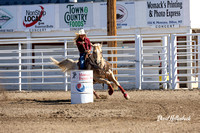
{"type": "Point", "coordinates": [8, 19]}
{"type": "Point", "coordinates": [76, 16]}
{"type": "Point", "coordinates": [38, 18]}
{"type": "Point", "coordinates": [124, 13]}
{"type": "Point", "coordinates": [165, 13]}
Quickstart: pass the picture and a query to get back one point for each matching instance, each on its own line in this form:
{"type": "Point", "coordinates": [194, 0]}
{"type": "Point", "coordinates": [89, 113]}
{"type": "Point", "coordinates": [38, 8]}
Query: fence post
{"type": "Point", "coordinates": [198, 45]}
{"type": "Point", "coordinates": [65, 54]}
{"type": "Point", "coordinates": [169, 61]}
{"type": "Point", "coordinates": [42, 55]}
{"type": "Point", "coordinates": [189, 71]}
{"type": "Point", "coordinates": [29, 60]}
{"type": "Point", "coordinates": [174, 61]}
{"type": "Point", "coordinates": [164, 62]}
{"type": "Point", "coordinates": [138, 61]}
{"type": "Point", "coordinates": [20, 66]}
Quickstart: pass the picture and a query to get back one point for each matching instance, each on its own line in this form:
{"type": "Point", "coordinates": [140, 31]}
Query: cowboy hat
{"type": "Point", "coordinates": [81, 32]}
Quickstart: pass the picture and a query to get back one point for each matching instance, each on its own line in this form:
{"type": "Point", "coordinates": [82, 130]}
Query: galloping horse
{"type": "Point", "coordinates": [101, 69]}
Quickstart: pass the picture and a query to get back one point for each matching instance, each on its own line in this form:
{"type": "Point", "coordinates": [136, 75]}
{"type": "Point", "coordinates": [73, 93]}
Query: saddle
{"type": "Point", "coordinates": [90, 61]}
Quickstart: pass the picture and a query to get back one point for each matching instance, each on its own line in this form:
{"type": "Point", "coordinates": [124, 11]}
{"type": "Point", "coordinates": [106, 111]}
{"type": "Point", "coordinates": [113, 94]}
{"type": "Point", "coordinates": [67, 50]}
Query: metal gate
{"type": "Point", "coordinates": [152, 61]}
{"type": "Point", "coordinates": [159, 62]}
{"type": "Point", "coordinates": [185, 61]}
{"type": "Point", "coordinates": [176, 61]}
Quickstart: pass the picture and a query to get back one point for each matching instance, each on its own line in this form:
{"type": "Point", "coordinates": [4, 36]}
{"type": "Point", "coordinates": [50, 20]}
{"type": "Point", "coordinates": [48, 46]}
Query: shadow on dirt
{"type": "Point", "coordinates": [53, 102]}
{"type": "Point", "coordinates": [3, 94]}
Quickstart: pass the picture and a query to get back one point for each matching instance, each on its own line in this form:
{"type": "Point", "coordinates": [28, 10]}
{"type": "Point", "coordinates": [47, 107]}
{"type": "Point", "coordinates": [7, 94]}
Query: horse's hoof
{"type": "Point", "coordinates": [97, 97]}
{"type": "Point", "coordinates": [110, 92]}
{"type": "Point", "coordinates": [126, 96]}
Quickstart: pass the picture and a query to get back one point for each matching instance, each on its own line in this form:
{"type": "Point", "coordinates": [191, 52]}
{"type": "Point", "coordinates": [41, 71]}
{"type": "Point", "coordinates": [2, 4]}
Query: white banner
{"type": "Point", "coordinates": [38, 18]}
{"type": "Point", "coordinates": [8, 18]}
{"type": "Point", "coordinates": [124, 11]}
{"type": "Point", "coordinates": [76, 16]}
{"type": "Point", "coordinates": [165, 13]}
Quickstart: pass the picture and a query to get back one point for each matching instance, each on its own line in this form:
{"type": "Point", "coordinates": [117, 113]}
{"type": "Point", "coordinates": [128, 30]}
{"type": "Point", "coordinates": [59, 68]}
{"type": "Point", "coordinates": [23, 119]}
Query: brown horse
{"type": "Point", "coordinates": [102, 69]}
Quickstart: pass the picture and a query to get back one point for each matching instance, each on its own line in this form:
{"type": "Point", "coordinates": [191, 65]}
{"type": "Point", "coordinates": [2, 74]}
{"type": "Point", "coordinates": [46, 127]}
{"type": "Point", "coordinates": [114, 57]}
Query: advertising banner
{"type": "Point", "coordinates": [8, 18]}
{"type": "Point", "coordinates": [165, 13]}
{"type": "Point", "coordinates": [76, 16]}
{"type": "Point", "coordinates": [38, 18]}
{"type": "Point", "coordinates": [124, 13]}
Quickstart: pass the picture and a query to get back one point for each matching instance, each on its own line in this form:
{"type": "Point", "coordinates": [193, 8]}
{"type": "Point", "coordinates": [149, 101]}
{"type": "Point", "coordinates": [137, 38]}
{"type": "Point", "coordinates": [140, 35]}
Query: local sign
{"type": "Point", "coordinates": [38, 18]}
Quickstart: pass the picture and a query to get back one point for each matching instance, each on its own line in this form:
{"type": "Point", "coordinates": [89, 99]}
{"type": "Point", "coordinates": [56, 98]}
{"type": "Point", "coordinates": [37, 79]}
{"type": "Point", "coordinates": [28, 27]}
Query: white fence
{"type": "Point", "coordinates": [144, 61]}
{"type": "Point", "coordinates": [21, 64]}
{"type": "Point", "coordinates": [185, 60]}
{"type": "Point", "coordinates": [160, 56]}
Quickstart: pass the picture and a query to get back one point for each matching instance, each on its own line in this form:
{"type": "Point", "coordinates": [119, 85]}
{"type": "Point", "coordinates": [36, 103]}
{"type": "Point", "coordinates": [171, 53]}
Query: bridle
{"type": "Point", "coordinates": [97, 53]}
{"type": "Point", "coordinates": [93, 60]}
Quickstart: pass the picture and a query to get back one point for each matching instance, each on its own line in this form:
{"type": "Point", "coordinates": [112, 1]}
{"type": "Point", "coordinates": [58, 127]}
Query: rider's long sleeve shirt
{"type": "Point", "coordinates": [83, 45]}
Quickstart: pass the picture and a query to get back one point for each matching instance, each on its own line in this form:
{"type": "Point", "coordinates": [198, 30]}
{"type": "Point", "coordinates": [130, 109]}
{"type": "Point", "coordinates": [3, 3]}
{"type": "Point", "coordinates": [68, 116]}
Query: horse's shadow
{"type": "Point", "coordinates": [53, 102]}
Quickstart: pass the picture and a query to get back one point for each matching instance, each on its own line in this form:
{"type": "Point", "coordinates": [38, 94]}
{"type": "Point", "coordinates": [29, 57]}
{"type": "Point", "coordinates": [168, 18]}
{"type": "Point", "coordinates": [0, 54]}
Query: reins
{"type": "Point", "coordinates": [95, 65]}
{"type": "Point", "coordinates": [92, 63]}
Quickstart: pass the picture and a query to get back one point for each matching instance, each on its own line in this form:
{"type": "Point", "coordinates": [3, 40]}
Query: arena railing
{"type": "Point", "coordinates": [20, 58]}
{"type": "Point", "coordinates": [138, 56]}
{"type": "Point", "coordinates": [185, 60]}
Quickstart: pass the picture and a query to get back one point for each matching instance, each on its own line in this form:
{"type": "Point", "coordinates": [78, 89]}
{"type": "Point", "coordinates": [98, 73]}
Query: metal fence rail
{"type": "Point", "coordinates": [21, 69]}
{"type": "Point", "coordinates": [158, 61]}
{"type": "Point", "coordinates": [145, 60]}
{"type": "Point", "coordinates": [185, 60]}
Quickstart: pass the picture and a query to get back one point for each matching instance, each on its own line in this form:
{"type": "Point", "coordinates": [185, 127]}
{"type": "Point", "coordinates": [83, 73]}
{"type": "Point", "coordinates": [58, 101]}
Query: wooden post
{"type": "Point", "coordinates": [112, 30]}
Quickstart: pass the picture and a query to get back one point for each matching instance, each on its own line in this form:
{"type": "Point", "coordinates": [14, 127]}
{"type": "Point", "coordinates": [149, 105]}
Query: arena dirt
{"type": "Point", "coordinates": [53, 112]}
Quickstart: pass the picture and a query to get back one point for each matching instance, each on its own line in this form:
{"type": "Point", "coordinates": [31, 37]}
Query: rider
{"type": "Point", "coordinates": [84, 46]}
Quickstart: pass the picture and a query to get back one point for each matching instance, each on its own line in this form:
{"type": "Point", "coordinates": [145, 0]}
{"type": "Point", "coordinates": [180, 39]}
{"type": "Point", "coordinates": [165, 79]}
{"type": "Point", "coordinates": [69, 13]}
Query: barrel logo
{"type": "Point", "coordinates": [74, 75]}
{"type": "Point", "coordinates": [80, 87]}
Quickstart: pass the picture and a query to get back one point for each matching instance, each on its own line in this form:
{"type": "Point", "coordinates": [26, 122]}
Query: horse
{"type": "Point", "coordinates": [102, 69]}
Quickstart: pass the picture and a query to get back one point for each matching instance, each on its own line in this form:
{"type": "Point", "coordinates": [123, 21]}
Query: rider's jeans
{"type": "Point", "coordinates": [82, 60]}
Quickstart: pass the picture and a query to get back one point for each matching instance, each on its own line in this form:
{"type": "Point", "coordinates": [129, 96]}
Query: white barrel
{"type": "Point", "coordinates": [81, 86]}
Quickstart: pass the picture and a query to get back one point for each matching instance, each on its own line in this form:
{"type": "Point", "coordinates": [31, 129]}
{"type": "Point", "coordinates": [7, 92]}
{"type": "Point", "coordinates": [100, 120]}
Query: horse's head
{"type": "Point", "coordinates": [97, 53]}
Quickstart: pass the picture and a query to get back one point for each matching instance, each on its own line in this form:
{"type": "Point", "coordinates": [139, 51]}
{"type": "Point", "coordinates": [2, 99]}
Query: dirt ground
{"type": "Point", "coordinates": [146, 111]}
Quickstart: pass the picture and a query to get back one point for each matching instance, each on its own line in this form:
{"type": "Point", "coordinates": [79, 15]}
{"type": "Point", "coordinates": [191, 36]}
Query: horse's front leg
{"type": "Point", "coordinates": [111, 77]}
{"type": "Point", "coordinates": [102, 80]}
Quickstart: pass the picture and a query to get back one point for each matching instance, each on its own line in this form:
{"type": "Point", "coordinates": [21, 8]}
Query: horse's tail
{"type": "Point", "coordinates": [54, 61]}
{"type": "Point", "coordinates": [65, 65]}
{"type": "Point", "coordinates": [61, 64]}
